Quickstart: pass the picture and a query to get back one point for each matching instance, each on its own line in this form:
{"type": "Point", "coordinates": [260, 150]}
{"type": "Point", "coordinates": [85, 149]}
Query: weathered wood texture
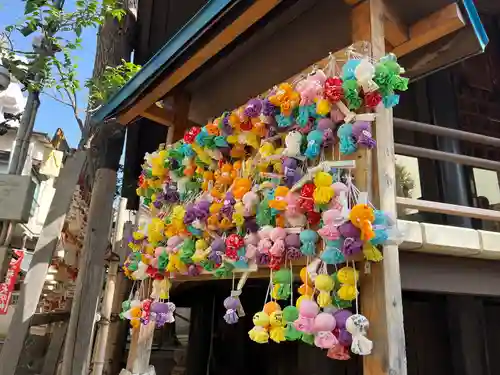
{"type": "Point", "coordinates": [89, 282]}
{"type": "Point", "coordinates": [55, 348]}
{"type": "Point", "coordinates": [33, 283]}
{"type": "Point", "coordinates": [381, 299]}
{"type": "Point", "coordinates": [114, 44]}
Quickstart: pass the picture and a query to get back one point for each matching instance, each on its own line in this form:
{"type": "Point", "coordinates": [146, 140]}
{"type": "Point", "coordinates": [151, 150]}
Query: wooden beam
{"type": "Point", "coordinates": [434, 27]}
{"type": "Point", "coordinates": [163, 116]}
{"type": "Point", "coordinates": [253, 14]}
{"type": "Point", "coordinates": [352, 2]}
{"type": "Point", "coordinates": [47, 318]}
{"type": "Point", "coordinates": [34, 281]}
{"type": "Point", "coordinates": [182, 102]}
{"type": "Point", "coordinates": [396, 33]}
{"type": "Point", "coordinates": [449, 209]}
{"type": "Point", "coordinates": [381, 300]}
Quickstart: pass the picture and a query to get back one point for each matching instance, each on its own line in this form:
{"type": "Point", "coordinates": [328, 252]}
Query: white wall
{"type": "Point", "coordinates": [46, 189]}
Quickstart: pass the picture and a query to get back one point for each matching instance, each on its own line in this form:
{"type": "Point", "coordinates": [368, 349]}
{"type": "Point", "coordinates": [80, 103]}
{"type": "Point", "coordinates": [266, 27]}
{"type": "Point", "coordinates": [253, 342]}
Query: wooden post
{"type": "Point", "coordinates": [381, 300]}
{"type": "Point", "coordinates": [109, 292]}
{"type": "Point", "coordinates": [32, 286]}
{"type": "Point", "coordinates": [91, 274]}
{"type": "Point", "coordinates": [114, 44]}
{"type": "Point", "coordinates": [55, 348]}
{"type": "Point", "coordinates": [118, 329]}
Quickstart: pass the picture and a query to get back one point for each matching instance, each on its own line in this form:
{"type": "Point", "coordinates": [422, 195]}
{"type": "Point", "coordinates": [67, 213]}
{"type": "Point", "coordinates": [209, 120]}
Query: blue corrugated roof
{"type": "Point", "coordinates": [164, 57]}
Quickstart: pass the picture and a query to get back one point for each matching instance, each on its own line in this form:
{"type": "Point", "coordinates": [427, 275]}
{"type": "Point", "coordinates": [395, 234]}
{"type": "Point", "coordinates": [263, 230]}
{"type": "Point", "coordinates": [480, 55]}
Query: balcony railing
{"type": "Point", "coordinates": [478, 238]}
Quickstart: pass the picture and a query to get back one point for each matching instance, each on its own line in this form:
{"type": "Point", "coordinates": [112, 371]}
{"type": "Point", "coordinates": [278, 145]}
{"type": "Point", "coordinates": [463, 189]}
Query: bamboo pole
{"type": "Point", "coordinates": [109, 292]}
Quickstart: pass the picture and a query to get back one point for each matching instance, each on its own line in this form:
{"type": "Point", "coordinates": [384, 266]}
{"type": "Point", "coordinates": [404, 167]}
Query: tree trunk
{"type": "Point", "coordinates": [114, 44]}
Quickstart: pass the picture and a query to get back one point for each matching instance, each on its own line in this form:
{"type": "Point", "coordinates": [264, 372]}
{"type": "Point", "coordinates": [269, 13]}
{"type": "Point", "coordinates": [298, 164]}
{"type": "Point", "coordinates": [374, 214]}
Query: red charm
{"type": "Point", "coordinates": [333, 89]}
{"type": "Point", "coordinates": [313, 217]}
{"type": "Point", "coordinates": [306, 202]}
{"type": "Point", "coordinates": [372, 99]}
{"type": "Point", "coordinates": [191, 134]}
{"type": "Point", "coordinates": [233, 244]}
{"type": "Point", "coordinates": [275, 263]}
{"type": "Point", "coordinates": [246, 126]}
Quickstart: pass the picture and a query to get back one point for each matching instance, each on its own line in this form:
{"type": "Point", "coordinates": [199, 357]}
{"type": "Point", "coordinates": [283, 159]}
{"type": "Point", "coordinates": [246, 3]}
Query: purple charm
{"type": "Point", "coordinates": [158, 202]}
{"type": "Point", "coordinates": [190, 214]}
{"type": "Point", "coordinates": [349, 230]}
{"type": "Point", "coordinates": [292, 174]}
{"type": "Point", "coordinates": [362, 132]}
{"type": "Point", "coordinates": [251, 225]}
{"type": "Point", "coordinates": [268, 109]}
{"type": "Point", "coordinates": [161, 319]}
{"type": "Point", "coordinates": [226, 127]}
{"type": "Point", "coordinates": [341, 317]}
{"type": "Point", "coordinates": [325, 123]}
{"type": "Point", "coordinates": [262, 259]}
{"type": "Point", "coordinates": [159, 307]}
{"type": "Point", "coordinates": [193, 270]}
{"type": "Point", "coordinates": [292, 240]}
{"type": "Point", "coordinates": [215, 256]}
{"type": "Point", "coordinates": [231, 317]}
{"type": "Point", "coordinates": [231, 303]}
{"type": "Point", "coordinates": [345, 338]}
{"type": "Point", "coordinates": [171, 195]}
{"type": "Point", "coordinates": [202, 210]}
{"type": "Point", "coordinates": [253, 108]}
{"type": "Point", "coordinates": [352, 246]}
{"type": "Point", "coordinates": [328, 137]}
{"type": "Point", "coordinates": [293, 253]}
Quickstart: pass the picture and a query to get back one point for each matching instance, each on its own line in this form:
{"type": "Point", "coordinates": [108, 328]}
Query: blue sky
{"type": "Point", "coordinates": [53, 114]}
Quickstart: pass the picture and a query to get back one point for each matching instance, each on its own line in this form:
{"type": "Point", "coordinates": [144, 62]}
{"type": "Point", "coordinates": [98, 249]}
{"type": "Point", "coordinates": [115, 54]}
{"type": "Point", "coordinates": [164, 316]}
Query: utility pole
{"type": "Point", "coordinates": [21, 145]}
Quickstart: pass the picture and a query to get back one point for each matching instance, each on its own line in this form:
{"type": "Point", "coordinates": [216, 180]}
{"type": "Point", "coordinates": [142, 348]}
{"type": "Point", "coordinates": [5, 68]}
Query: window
{"type": "Point", "coordinates": [4, 161]}
{"type": "Point", "coordinates": [487, 186]}
{"type": "Point", "coordinates": [35, 204]}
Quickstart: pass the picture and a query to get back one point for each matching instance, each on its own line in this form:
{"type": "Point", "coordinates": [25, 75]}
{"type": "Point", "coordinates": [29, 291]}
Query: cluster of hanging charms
{"type": "Point", "coordinates": [253, 189]}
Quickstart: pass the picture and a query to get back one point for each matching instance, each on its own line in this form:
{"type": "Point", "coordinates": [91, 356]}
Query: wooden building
{"type": "Point", "coordinates": [202, 57]}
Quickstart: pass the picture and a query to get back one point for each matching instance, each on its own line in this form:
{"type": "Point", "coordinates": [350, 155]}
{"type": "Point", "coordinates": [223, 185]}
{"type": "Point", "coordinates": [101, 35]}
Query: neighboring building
{"type": "Point", "coordinates": [43, 164]}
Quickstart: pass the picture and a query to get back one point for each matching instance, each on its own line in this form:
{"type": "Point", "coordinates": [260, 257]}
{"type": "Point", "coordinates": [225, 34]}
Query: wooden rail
{"type": "Point", "coordinates": [446, 156]}
{"type": "Point", "coordinates": [446, 132]}
{"type": "Point", "coordinates": [449, 209]}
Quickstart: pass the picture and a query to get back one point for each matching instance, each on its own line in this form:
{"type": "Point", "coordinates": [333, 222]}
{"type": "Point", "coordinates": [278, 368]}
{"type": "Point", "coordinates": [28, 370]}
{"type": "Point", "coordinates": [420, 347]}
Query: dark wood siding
{"type": "Point", "coordinates": [158, 21]}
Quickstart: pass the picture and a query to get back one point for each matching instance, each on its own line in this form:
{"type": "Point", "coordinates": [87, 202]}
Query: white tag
{"type": "Point", "coordinates": [312, 269]}
{"type": "Point", "coordinates": [363, 197]}
{"type": "Point", "coordinates": [368, 268]}
{"type": "Point", "coordinates": [345, 206]}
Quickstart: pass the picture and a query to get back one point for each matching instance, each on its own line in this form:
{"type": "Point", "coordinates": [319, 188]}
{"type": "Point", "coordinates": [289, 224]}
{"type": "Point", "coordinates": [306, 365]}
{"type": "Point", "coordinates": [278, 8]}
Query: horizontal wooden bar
{"type": "Point", "coordinates": [434, 27]}
{"type": "Point", "coordinates": [448, 209]}
{"type": "Point", "coordinates": [46, 318]}
{"type": "Point", "coordinates": [162, 116]}
{"type": "Point", "coordinates": [446, 156]}
{"type": "Point", "coordinates": [446, 132]}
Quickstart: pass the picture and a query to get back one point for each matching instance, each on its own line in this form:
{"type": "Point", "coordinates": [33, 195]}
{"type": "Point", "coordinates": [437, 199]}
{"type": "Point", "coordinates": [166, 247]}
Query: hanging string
{"type": "Point", "coordinates": [291, 283]}
{"type": "Point", "coordinates": [268, 292]}
{"type": "Point", "coordinates": [232, 288]}
{"type": "Point", "coordinates": [356, 286]}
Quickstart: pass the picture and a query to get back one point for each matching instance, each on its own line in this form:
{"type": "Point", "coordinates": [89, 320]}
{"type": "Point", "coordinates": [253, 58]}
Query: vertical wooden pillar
{"type": "Point", "coordinates": [142, 338]}
{"type": "Point", "coordinates": [381, 300]}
